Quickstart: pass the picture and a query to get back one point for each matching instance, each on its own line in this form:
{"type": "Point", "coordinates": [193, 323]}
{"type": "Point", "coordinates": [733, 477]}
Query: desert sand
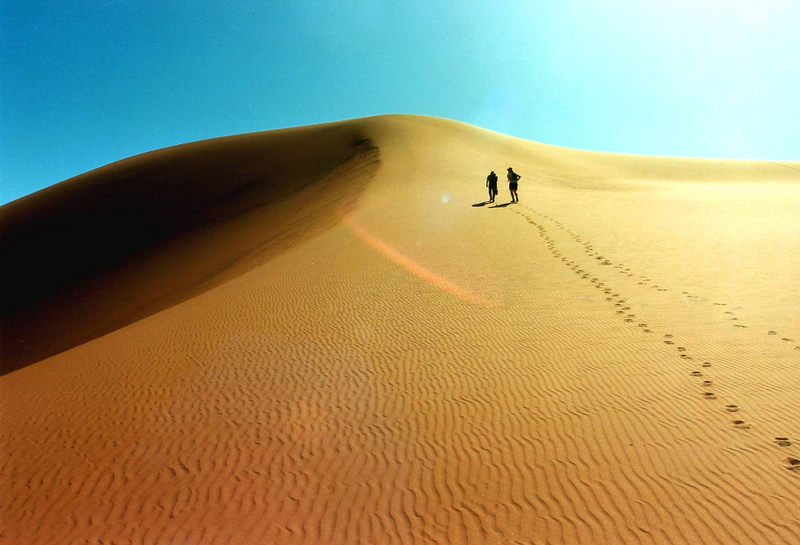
{"type": "Point", "coordinates": [327, 335]}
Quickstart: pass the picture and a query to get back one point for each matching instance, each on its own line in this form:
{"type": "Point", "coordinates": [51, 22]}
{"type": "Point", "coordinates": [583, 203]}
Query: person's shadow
{"type": "Point", "coordinates": [503, 205]}
{"type": "Point", "coordinates": [484, 203]}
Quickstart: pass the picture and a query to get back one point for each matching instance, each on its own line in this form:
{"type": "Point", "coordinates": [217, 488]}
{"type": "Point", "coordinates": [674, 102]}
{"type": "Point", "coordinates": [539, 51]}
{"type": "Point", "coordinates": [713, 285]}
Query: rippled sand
{"type": "Point", "coordinates": [326, 335]}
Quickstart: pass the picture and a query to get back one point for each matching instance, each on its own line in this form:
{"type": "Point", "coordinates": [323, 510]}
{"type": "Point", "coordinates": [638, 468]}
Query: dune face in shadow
{"type": "Point", "coordinates": [104, 249]}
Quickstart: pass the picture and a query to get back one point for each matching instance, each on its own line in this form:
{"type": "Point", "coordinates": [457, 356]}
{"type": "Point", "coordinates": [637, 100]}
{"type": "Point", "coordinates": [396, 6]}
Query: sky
{"type": "Point", "coordinates": [85, 83]}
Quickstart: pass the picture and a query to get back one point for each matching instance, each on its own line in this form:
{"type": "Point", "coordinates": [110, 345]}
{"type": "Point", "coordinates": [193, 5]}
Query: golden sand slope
{"type": "Point", "coordinates": [334, 340]}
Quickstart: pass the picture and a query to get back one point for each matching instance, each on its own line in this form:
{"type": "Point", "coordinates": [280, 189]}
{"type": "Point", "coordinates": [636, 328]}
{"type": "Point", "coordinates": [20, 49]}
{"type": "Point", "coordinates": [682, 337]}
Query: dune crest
{"type": "Point", "coordinates": [338, 340]}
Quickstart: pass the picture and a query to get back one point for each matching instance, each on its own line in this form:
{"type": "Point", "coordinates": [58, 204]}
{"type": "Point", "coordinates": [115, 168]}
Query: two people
{"type": "Point", "coordinates": [513, 183]}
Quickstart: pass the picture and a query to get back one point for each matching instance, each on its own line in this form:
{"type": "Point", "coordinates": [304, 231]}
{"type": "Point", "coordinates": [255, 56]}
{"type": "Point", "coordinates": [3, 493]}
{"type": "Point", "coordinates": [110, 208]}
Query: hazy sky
{"type": "Point", "coordinates": [85, 83]}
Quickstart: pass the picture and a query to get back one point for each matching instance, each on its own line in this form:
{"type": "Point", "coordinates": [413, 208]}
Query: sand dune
{"type": "Point", "coordinates": [325, 335]}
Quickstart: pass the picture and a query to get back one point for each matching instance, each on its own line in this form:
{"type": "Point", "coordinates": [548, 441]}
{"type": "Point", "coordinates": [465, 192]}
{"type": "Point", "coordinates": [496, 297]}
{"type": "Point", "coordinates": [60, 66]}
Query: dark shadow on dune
{"type": "Point", "coordinates": [112, 246]}
{"type": "Point", "coordinates": [484, 203]}
{"type": "Point", "coordinates": [503, 205]}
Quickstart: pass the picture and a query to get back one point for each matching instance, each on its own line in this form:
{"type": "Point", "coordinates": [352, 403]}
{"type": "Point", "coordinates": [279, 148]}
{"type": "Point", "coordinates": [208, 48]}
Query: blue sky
{"type": "Point", "coordinates": [85, 83]}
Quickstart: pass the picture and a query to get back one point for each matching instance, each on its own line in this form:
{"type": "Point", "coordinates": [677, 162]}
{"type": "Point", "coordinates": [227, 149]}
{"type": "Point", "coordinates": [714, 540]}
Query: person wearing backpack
{"type": "Point", "coordinates": [513, 179]}
{"type": "Point", "coordinates": [491, 183]}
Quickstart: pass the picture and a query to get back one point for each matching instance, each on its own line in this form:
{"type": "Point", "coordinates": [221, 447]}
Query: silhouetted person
{"type": "Point", "coordinates": [513, 178]}
{"type": "Point", "coordinates": [491, 183]}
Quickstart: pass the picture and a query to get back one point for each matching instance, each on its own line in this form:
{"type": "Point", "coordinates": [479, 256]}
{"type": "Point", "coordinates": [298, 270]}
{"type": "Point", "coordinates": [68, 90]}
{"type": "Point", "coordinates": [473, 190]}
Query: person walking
{"type": "Point", "coordinates": [513, 179]}
{"type": "Point", "coordinates": [491, 183]}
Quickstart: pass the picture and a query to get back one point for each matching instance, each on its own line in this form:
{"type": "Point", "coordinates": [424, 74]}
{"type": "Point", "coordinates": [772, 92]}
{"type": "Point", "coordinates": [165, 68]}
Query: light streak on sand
{"type": "Point", "coordinates": [412, 266]}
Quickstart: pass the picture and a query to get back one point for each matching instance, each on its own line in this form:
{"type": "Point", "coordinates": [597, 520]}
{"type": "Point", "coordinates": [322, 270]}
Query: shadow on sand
{"type": "Point", "coordinates": [484, 203]}
{"type": "Point", "coordinates": [501, 205]}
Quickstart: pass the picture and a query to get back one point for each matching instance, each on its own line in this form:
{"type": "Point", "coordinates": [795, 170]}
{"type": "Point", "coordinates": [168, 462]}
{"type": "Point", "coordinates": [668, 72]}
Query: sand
{"type": "Point", "coordinates": [326, 335]}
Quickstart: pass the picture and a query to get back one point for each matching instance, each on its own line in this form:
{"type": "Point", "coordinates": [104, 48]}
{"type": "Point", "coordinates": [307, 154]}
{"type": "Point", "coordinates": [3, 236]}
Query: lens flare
{"type": "Point", "coordinates": [412, 266]}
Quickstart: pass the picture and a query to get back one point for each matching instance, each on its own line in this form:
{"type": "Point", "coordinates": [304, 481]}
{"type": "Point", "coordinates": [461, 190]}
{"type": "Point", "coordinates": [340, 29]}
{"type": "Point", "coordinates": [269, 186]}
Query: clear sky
{"type": "Point", "coordinates": [84, 83]}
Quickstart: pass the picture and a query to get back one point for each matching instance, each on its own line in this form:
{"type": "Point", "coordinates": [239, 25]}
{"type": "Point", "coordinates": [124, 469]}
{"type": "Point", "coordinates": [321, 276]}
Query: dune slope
{"type": "Point", "coordinates": [107, 248]}
{"type": "Point", "coordinates": [337, 340]}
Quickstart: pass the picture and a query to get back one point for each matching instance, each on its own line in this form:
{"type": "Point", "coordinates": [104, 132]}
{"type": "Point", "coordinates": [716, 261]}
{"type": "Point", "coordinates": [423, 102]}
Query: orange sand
{"type": "Point", "coordinates": [315, 336]}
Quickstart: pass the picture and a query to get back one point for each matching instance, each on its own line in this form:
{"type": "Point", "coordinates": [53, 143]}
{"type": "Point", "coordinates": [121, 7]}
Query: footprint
{"type": "Point", "coordinates": [787, 339]}
{"type": "Point", "coordinates": [707, 383]}
{"type": "Point", "coordinates": [741, 424]}
{"type": "Point", "coordinates": [669, 342]}
{"type": "Point", "coordinates": [696, 374]}
{"type": "Point", "coordinates": [668, 335]}
{"type": "Point", "coordinates": [783, 442]}
{"type": "Point", "coordinates": [732, 408]}
{"type": "Point", "coordinates": [685, 357]}
{"type": "Point", "coordinates": [792, 464]}
{"type": "Point", "coordinates": [648, 331]}
{"type": "Point", "coordinates": [709, 395]}
{"type": "Point", "coordinates": [681, 349]}
{"type": "Point", "coordinates": [706, 364]}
